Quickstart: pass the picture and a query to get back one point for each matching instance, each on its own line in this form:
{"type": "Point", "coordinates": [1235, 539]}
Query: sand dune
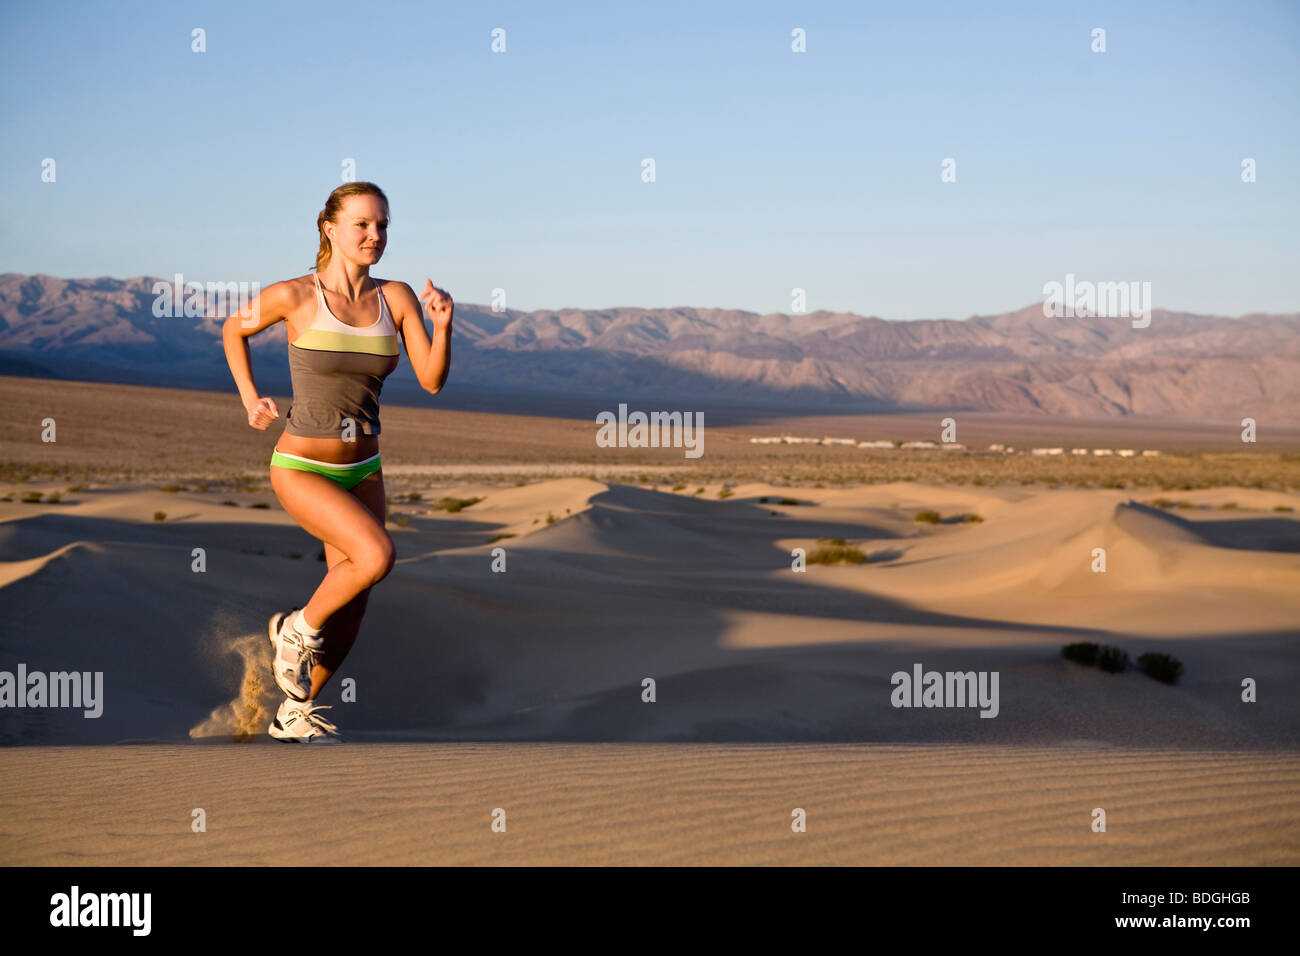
{"type": "Point", "coordinates": [638, 804]}
{"type": "Point", "coordinates": [697, 593]}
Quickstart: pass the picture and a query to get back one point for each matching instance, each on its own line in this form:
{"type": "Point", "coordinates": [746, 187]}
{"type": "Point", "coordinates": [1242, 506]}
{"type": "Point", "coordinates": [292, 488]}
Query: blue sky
{"type": "Point", "coordinates": [775, 170]}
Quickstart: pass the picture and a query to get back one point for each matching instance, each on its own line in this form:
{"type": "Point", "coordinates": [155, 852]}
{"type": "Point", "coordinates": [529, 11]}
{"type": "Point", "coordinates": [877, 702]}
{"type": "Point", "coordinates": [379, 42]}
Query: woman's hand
{"type": "Point", "coordinates": [261, 412]}
{"type": "Point", "coordinates": [438, 304]}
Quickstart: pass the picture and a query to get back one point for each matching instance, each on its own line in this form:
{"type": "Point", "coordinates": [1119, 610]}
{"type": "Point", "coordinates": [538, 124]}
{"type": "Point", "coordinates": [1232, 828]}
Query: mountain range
{"type": "Point", "coordinates": [1183, 365]}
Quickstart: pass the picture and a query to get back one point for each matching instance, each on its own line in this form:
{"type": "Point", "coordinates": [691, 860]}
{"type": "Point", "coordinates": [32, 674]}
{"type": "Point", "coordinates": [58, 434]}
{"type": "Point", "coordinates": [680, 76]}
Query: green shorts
{"type": "Point", "coordinates": [346, 476]}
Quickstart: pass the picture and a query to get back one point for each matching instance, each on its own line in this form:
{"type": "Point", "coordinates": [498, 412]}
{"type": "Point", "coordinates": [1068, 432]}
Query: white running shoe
{"type": "Point", "coordinates": [294, 657]}
{"type": "Point", "coordinates": [301, 722]}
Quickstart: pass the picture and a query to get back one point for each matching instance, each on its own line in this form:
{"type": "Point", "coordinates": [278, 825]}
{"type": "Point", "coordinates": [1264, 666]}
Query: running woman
{"type": "Point", "coordinates": [343, 326]}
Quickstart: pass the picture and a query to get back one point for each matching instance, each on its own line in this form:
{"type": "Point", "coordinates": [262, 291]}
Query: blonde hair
{"type": "Point", "coordinates": [333, 206]}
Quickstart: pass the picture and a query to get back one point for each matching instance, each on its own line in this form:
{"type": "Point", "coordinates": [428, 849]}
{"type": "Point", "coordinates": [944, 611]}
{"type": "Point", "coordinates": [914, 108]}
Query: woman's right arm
{"type": "Point", "coordinates": [267, 308]}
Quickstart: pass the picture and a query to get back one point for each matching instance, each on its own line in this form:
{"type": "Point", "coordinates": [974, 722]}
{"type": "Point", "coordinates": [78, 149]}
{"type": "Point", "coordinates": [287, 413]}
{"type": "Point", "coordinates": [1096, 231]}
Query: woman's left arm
{"type": "Point", "coordinates": [431, 360]}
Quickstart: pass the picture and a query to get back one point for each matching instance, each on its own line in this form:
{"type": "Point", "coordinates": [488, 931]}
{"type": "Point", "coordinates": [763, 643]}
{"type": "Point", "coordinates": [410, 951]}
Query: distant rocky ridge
{"type": "Point", "coordinates": [1182, 365]}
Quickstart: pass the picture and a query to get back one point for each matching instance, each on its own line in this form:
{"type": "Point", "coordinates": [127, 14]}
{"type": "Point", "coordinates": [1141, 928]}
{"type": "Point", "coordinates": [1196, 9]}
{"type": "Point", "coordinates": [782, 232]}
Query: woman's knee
{"type": "Point", "coordinates": [377, 560]}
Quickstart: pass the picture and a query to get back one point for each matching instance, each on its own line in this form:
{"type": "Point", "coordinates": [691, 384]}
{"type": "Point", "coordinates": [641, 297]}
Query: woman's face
{"type": "Point", "coordinates": [361, 231]}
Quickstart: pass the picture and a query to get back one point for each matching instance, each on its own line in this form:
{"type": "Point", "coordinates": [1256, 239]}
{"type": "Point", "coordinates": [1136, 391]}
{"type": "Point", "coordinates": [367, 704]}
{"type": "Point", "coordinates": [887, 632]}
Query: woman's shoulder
{"type": "Point", "coordinates": [395, 288]}
{"type": "Point", "coordinates": [295, 289]}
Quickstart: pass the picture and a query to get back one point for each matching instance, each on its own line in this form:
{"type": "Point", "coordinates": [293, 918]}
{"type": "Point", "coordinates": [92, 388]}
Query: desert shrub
{"type": "Point", "coordinates": [973, 519]}
{"type": "Point", "coordinates": [1228, 506]}
{"type": "Point", "coordinates": [787, 501]}
{"type": "Point", "coordinates": [453, 505]}
{"type": "Point", "coordinates": [678, 487]}
{"type": "Point", "coordinates": [53, 499]}
{"type": "Point", "coordinates": [259, 504]}
{"type": "Point", "coordinates": [231, 504]}
{"type": "Point", "coordinates": [928, 516]}
{"type": "Point", "coordinates": [160, 516]}
{"type": "Point", "coordinates": [1083, 652]}
{"type": "Point", "coordinates": [33, 496]}
{"type": "Point", "coordinates": [835, 554]}
{"type": "Point", "coordinates": [172, 488]}
{"type": "Point", "coordinates": [1283, 508]}
{"type": "Point", "coordinates": [1161, 503]}
{"type": "Point", "coordinates": [725, 493]}
{"type": "Point", "coordinates": [413, 496]}
{"type": "Point", "coordinates": [550, 518]}
{"type": "Point", "coordinates": [1112, 660]}
{"type": "Point", "coordinates": [1161, 666]}
{"type": "Point", "coordinates": [762, 501]}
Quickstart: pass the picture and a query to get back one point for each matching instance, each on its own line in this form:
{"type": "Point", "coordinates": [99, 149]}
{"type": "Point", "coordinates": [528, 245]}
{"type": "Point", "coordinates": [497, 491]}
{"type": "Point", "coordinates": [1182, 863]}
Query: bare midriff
{"type": "Point", "coordinates": [334, 450]}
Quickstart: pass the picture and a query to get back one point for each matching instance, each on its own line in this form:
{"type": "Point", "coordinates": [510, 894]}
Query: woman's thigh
{"type": "Point", "coordinates": [345, 521]}
{"type": "Point", "coordinates": [370, 492]}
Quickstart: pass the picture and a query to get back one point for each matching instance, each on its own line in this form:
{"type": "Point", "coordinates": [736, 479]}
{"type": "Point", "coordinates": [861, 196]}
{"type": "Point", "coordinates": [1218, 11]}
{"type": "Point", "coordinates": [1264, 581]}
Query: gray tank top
{"type": "Point", "coordinates": [338, 371]}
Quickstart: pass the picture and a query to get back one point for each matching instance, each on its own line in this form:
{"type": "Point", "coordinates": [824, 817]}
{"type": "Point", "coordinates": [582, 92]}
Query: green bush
{"type": "Point", "coordinates": [1083, 652]}
{"type": "Point", "coordinates": [1161, 666]}
{"type": "Point", "coordinates": [453, 505]}
{"type": "Point", "coordinates": [1112, 660]}
{"type": "Point", "coordinates": [836, 554]}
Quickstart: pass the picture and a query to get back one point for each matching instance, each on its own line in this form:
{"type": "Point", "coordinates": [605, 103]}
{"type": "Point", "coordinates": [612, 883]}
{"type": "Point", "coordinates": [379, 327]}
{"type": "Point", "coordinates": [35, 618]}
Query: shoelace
{"type": "Point", "coordinates": [320, 723]}
{"type": "Point", "coordinates": [305, 653]}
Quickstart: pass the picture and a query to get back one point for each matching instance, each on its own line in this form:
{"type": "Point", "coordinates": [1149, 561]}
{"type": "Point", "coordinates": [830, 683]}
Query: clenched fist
{"type": "Point", "coordinates": [261, 412]}
{"type": "Point", "coordinates": [438, 304]}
